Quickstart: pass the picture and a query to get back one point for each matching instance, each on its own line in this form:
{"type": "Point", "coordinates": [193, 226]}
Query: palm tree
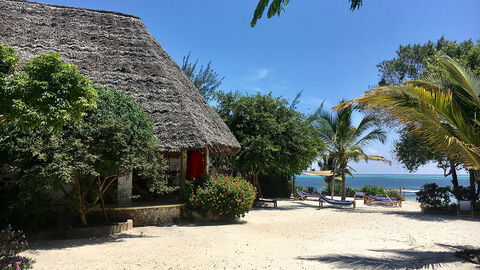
{"type": "Point", "coordinates": [442, 109]}
{"type": "Point", "coordinates": [344, 142]}
{"type": "Point", "coordinates": [277, 6]}
{"type": "Point", "coordinates": [326, 162]}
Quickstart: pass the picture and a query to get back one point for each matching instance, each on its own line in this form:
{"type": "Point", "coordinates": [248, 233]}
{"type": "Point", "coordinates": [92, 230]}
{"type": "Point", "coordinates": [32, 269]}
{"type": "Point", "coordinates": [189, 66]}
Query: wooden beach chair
{"type": "Point", "coordinates": [299, 195]}
{"type": "Point", "coordinates": [387, 201]}
{"type": "Point", "coordinates": [262, 202]}
{"type": "Point", "coordinates": [306, 195]}
{"type": "Point", "coordinates": [323, 199]}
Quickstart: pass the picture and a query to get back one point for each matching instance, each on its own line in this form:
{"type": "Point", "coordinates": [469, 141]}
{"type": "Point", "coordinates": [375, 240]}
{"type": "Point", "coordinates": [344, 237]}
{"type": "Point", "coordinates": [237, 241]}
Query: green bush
{"type": "Point", "coordinates": [368, 190]}
{"type": "Point", "coordinates": [338, 190]}
{"type": "Point", "coordinates": [221, 196]}
{"type": "Point", "coordinates": [394, 194]}
{"type": "Point", "coordinates": [433, 196]}
{"type": "Point", "coordinates": [32, 210]}
{"type": "Point", "coordinates": [11, 244]}
{"type": "Point", "coordinates": [373, 191]}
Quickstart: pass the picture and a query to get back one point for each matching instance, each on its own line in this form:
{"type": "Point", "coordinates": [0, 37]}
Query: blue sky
{"type": "Point", "coordinates": [317, 46]}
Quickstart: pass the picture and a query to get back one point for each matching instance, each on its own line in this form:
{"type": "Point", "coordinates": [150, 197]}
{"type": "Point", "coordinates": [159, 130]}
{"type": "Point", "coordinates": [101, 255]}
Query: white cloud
{"type": "Point", "coordinates": [371, 151]}
{"type": "Point", "coordinates": [262, 73]}
{"type": "Point", "coordinates": [259, 74]}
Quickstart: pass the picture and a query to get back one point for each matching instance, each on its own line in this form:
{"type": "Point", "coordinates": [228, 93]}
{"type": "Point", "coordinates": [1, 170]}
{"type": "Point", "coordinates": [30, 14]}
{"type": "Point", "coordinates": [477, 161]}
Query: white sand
{"type": "Point", "coordinates": [296, 235]}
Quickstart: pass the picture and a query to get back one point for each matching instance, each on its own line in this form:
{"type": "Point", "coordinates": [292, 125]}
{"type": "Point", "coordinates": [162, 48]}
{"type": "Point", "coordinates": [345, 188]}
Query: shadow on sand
{"type": "Point", "coordinates": [293, 205]}
{"type": "Point", "coordinates": [72, 243]}
{"type": "Point", "coordinates": [393, 259]}
{"type": "Point", "coordinates": [416, 215]}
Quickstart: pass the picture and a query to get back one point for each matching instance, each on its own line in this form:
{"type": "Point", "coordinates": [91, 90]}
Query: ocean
{"type": "Point", "coordinates": [387, 181]}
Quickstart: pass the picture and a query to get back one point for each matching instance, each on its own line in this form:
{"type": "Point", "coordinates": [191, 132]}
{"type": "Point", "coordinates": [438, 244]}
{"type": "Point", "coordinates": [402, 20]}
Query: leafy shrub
{"type": "Point", "coordinates": [394, 194]}
{"type": "Point", "coordinates": [373, 191]}
{"type": "Point", "coordinates": [32, 210]}
{"type": "Point", "coordinates": [433, 196]}
{"type": "Point", "coordinates": [11, 244]}
{"type": "Point", "coordinates": [220, 196]}
{"type": "Point", "coordinates": [338, 190]}
{"type": "Point", "coordinates": [23, 208]}
{"type": "Point", "coordinates": [376, 191]}
{"type": "Point", "coordinates": [462, 193]}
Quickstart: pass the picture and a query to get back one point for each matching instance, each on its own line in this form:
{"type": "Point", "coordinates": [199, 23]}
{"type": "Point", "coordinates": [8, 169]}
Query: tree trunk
{"type": "Point", "coordinates": [472, 184]}
{"type": "Point", "coordinates": [256, 183]}
{"type": "Point", "coordinates": [104, 210]}
{"type": "Point", "coordinates": [344, 181]}
{"type": "Point", "coordinates": [473, 178]}
{"type": "Point", "coordinates": [83, 217]}
{"type": "Point", "coordinates": [453, 170]}
{"type": "Point", "coordinates": [294, 187]}
{"type": "Point", "coordinates": [333, 179]}
{"type": "Point", "coordinates": [478, 189]}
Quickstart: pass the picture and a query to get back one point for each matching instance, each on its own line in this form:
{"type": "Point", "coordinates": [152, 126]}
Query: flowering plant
{"type": "Point", "coordinates": [222, 196]}
{"type": "Point", "coordinates": [11, 244]}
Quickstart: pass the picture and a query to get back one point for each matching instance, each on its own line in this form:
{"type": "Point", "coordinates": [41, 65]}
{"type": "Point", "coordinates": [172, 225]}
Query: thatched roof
{"type": "Point", "coordinates": [116, 51]}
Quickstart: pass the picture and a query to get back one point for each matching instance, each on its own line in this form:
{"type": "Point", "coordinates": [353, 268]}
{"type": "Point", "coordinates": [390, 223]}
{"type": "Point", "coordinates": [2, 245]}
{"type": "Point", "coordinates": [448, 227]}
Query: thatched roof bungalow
{"type": "Point", "coordinates": [116, 51]}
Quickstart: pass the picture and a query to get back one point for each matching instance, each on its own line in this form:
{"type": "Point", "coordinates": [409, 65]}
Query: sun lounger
{"type": "Point", "coordinates": [368, 200]}
{"type": "Point", "coordinates": [299, 195]}
{"type": "Point", "coordinates": [322, 199]}
{"type": "Point", "coordinates": [358, 195]}
{"type": "Point", "coordinates": [263, 201]}
{"type": "Point", "coordinates": [306, 194]}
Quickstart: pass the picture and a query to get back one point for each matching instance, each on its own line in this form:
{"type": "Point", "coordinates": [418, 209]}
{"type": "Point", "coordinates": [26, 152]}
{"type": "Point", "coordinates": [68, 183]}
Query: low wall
{"type": "Point", "coordinates": [83, 232]}
{"type": "Point", "coordinates": [143, 215]}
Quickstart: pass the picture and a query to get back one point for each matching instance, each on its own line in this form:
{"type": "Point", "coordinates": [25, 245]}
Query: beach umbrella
{"type": "Point", "coordinates": [322, 173]}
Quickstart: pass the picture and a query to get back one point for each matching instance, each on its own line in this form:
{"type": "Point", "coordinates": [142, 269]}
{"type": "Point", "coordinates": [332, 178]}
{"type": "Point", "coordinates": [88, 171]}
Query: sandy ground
{"type": "Point", "coordinates": [296, 235]}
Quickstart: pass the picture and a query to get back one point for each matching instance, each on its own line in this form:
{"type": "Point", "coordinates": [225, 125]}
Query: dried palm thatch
{"type": "Point", "coordinates": [116, 51]}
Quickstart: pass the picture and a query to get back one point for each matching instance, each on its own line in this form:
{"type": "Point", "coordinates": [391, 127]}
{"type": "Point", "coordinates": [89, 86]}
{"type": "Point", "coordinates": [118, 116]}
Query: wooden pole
{"type": "Point", "coordinates": [183, 167]}
{"type": "Point", "coordinates": [207, 161]}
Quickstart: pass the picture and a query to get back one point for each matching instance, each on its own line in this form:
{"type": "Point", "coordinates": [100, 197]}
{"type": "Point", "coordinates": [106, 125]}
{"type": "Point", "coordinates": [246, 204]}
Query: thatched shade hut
{"type": "Point", "coordinates": [116, 51]}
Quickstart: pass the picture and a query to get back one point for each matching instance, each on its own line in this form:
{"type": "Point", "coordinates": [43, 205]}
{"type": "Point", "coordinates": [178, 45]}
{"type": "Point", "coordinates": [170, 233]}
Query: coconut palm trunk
{"type": "Point", "coordinates": [344, 181]}
{"type": "Point", "coordinates": [332, 183]}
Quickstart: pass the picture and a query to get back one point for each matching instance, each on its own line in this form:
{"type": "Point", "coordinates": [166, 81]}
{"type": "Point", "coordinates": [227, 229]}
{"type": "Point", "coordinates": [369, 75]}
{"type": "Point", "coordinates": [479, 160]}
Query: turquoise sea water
{"type": "Point", "coordinates": [387, 181]}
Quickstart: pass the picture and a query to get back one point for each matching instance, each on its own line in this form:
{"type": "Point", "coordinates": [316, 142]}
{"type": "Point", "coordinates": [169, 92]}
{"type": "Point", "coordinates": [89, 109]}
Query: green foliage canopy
{"type": "Point", "coordinates": [417, 61]}
{"type": "Point", "coordinates": [412, 61]}
{"type": "Point", "coordinates": [413, 152]}
{"type": "Point", "coordinates": [273, 136]}
{"type": "Point", "coordinates": [45, 92]}
{"type": "Point", "coordinates": [206, 80]}
{"type": "Point", "coordinates": [444, 117]}
{"type": "Point", "coordinates": [114, 138]}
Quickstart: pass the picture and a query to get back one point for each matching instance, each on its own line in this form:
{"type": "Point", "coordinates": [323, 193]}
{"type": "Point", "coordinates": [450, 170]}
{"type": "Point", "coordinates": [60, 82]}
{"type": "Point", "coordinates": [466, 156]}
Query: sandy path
{"type": "Point", "coordinates": [296, 235]}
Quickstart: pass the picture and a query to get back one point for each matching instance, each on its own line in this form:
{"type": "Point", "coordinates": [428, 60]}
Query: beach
{"type": "Point", "coordinates": [296, 235]}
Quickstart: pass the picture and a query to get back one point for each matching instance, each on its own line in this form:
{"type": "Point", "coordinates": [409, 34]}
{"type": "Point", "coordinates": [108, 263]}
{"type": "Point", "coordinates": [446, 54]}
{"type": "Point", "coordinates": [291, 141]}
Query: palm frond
{"type": "Point", "coordinates": [460, 76]}
{"type": "Point", "coordinates": [431, 114]}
